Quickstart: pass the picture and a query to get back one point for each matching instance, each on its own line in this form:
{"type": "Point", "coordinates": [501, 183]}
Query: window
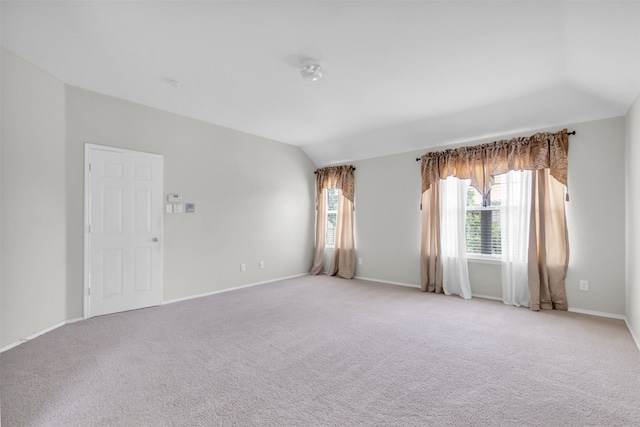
{"type": "Point", "coordinates": [483, 220]}
{"type": "Point", "coordinates": [331, 202]}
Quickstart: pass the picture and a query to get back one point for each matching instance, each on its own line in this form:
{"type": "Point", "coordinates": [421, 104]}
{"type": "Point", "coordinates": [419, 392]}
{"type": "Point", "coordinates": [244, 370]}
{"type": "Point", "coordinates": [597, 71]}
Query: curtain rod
{"type": "Point", "coordinates": [316, 171]}
{"type": "Point", "coordinates": [573, 132]}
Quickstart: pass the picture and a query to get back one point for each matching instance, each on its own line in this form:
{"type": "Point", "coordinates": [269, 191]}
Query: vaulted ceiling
{"type": "Point", "coordinates": [398, 75]}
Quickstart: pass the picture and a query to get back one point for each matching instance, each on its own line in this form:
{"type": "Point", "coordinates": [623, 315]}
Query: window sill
{"type": "Point", "coordinates": [484, 259]}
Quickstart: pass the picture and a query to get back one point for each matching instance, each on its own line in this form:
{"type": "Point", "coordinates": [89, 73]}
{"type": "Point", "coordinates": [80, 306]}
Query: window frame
{"type": "Point", "coordinates": [486, 207]}
{"type": "Point", "coordinates": [484, 258]}
{"type": "Point", "coordinates": [326, 217]}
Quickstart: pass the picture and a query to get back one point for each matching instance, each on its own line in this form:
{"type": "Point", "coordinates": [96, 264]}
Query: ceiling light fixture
{"type": "Point", "coordinates": [311, 70]}
{"type": "Point", "coordinates": [174, 83]}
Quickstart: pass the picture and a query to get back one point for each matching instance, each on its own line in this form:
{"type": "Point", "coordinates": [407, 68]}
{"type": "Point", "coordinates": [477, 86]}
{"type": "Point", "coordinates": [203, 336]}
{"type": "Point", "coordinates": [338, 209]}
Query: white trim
{"type": "Point", "coordinates": [85, 231]}
{"type": "Point", "coordinates": [419, 287]}
{"type": "Point", "coordinates": [571, 309]}
{"type": "Point", "coordinates": [484, 259]}
{"type": "Point", "coordinates": [387, 282]}
{"type": "Point", "coordinates": [596, 313]}
{"type": "Point", "coordinates": [231, 289]}
{"type": "Point", "coordinates": [77, 319]}
{"type": "Point", "coordinates": [635, 338]}
{"type": "Point", "coordinates": [487, 297]}
{"type": "Point", "coordinates": [37, 334]}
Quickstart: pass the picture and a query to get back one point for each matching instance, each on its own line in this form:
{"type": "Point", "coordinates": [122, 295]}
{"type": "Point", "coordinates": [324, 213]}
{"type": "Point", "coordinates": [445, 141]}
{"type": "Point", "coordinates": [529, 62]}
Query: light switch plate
{"type": "Point", "coordinates": [168, 209]}
{"type": "Point", "coordinates": [177, 208]}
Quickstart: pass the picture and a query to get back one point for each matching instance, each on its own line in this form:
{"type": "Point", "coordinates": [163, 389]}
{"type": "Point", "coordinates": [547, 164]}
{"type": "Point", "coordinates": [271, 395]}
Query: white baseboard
{"type": "Point", "coordinates": [486, 297]}
{"type": "Point", "coordinates": [572, 309]}
{"type": "Point", "coordinates": [231, 289]}
{"type": "Point", "coordinates": [633, 335]}
{"type": "Point", "coordinates": [611, 316]}
{"type": "Point", "coordinates": [77, 319]}
{"type": "Point", "coordinates": [597, 313]}
{"type": "Point", "coordinates": [57, 325]}
{"type": "Point", "coordinates": [387, 282]}
{"type": "Point", "coordinates": [418, 286]}
{"type": "Point", "coordinates": [37, 334]}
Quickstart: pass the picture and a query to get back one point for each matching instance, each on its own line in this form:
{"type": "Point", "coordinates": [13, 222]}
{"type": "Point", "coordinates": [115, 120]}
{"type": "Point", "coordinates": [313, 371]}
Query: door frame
{"type": "Point", "coordinates": [88, 147]}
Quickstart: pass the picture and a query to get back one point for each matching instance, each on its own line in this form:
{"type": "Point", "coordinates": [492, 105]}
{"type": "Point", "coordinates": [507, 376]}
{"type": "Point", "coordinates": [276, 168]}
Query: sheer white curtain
{"type": "Point", "coordinates": [453, 216]}
{"type": "Point", "coordinates": [514, 231]}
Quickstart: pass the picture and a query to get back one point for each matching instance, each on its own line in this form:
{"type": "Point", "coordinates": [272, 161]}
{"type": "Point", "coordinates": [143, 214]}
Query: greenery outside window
{"type": "Point", "coordinates": [483, 221]}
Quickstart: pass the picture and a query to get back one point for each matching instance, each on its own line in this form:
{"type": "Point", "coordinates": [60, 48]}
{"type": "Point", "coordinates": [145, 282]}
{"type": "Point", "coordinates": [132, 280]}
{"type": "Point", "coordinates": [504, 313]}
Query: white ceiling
{"type": "Point", "coordinates": [399, 75]}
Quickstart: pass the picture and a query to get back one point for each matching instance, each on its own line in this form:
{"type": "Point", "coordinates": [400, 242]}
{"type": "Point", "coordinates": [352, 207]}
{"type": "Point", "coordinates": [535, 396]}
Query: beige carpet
{"type": "Point", "coordinates": [325, 351]}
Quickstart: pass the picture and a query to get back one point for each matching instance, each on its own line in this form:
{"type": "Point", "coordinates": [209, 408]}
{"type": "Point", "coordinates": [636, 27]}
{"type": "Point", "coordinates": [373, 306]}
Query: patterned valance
{"type": "Point", "coordinates": [340, 177]}
{"type": "Point", "coordinates": [480, 163]}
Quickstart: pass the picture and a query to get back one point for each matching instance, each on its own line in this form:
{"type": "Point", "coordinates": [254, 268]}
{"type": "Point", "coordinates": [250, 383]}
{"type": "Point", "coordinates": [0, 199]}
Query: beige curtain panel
{"type": "Point", "coordinates": [343, 263]}
{"type": "Point", "coordinates": [546, 154]}
{"type": "Point", "coordinates": [344, 256]}
{"type": "Point", "coordinates": [431, 262]}
{"type": "Point", "coordinates": [548, 244]}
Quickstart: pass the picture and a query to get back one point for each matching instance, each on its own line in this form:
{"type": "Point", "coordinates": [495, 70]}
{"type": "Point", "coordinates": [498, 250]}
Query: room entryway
{"type": "Point", "coordinates": [123, 230]}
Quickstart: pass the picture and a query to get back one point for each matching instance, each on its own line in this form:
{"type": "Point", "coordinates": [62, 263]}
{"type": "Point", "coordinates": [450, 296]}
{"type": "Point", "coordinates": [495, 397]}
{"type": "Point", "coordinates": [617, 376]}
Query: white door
{"type": "Point", "coordinates": [124, 230]}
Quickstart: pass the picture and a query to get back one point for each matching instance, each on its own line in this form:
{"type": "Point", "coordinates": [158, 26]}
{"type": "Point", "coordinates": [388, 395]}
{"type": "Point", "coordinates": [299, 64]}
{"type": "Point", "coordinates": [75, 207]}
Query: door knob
{"type": "Point", "coordinates": [155, 239]}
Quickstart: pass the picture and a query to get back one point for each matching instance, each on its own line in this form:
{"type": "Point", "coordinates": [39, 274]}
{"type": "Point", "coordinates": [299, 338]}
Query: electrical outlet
{"type": "Point", "coordinates": [359, 261]}
{"type": "Point", "coordinates": [261, 264]}
{"type": "Point", "coordinates": [243, 267]}
{"type": "Point", "coordinates": [584, 285]}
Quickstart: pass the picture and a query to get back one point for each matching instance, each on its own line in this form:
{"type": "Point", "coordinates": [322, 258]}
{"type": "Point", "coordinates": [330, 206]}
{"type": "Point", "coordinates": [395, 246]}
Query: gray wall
{"type": "Point", "coordinates": [255, 201]}
{"type": "Point", "coordinates": [33, 200]}
{"type": "Point", "coordinates": [388, 219]}
{"type": "Point", "coordinates": [633, 213]}
{"type": "Point", "coordinates": [254, 198]}
{"type": "Point", "coordinates": [1, 139]}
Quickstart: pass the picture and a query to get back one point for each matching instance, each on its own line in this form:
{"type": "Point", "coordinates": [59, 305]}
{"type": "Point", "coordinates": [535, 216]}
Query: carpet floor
{"type": "Point", "coordinates": [321, 351]}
